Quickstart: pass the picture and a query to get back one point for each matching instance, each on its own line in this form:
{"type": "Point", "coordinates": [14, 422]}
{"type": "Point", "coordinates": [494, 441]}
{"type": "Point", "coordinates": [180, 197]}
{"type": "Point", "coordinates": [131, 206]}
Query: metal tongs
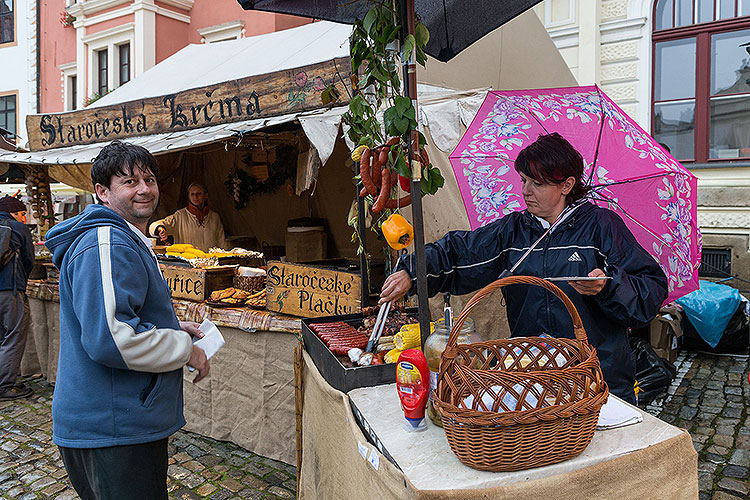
{"type": "Point", "coordinates": [377, 331]}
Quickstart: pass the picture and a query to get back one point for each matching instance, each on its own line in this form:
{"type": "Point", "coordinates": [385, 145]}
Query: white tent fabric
{"type": "Point", "coordinates": [199, 65]}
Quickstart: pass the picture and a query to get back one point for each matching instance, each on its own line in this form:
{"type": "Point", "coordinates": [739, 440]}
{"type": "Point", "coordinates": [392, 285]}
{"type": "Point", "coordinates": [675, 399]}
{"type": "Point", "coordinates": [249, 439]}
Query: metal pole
{"type": "Point", "coordinates": [362, 230]}
{"type": "Point", "coordinates": [406, 17]}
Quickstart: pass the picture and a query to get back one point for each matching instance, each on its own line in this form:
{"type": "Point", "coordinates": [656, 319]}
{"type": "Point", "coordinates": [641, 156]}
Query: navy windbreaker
{"type": "Point", "coordinates": [465, 261]}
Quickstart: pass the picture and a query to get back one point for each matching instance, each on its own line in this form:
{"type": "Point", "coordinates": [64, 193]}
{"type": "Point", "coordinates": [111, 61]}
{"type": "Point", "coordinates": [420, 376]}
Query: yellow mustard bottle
{"type": "Point", "coordinates": [434, 347]}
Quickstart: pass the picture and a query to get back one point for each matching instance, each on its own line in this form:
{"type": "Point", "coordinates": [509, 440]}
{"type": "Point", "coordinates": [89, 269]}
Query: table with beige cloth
{"type": "Point", "coordinates": [650, 460]}
{"type": "Point", "coordinates": [247, 399]}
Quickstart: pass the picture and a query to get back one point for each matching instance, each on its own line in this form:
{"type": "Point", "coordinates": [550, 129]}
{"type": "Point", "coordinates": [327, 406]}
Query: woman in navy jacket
{"type": "Point", "coordinates": [589, 241]}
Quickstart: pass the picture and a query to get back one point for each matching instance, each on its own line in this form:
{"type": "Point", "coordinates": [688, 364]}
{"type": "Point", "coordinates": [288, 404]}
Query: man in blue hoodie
{"type": "Point", "coordinates": [118, 395]}
{"type": "Point", "coordinates": [14, 307]}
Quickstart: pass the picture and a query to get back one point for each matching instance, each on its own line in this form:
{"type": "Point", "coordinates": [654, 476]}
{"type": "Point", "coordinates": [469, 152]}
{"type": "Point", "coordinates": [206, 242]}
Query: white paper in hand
{"type": "Point", "coordinates": [212, 338]}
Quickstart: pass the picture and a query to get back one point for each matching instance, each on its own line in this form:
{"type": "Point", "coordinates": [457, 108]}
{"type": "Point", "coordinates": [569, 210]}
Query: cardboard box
{"type": "Point", "coordinates": [196, 284]}
{"type": "Point", "coordinates": [664, 333]}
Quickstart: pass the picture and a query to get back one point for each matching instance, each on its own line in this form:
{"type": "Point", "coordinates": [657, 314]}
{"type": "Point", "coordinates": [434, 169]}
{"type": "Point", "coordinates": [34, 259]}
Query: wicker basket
{"type": "Point", "coordinates": [540, 408]}
{"type": "Point", "coordinates": [249, 283]}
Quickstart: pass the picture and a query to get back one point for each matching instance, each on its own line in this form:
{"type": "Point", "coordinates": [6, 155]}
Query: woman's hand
{"type": "Point", "coordinates": [192, 328]}
{"type": "Point", "coordinates": [396, 285]}
{"type": "Point", "coordinates": [589, 287]}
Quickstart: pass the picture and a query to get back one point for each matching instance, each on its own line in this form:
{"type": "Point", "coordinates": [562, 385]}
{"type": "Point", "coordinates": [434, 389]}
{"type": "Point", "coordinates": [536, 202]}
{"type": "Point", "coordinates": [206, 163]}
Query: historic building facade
{"type": "Point", "coordinates": [18, 88]}
{"type": "Point", "coordinates": [91, 47]}
{"type": "Point", "coordinates": [681, 68]}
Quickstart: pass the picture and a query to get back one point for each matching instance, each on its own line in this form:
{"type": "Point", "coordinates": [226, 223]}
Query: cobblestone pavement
{"type": "Point", "coordinates": [199, 467]}
{"type": "Point", "coordinates": [708, 398]}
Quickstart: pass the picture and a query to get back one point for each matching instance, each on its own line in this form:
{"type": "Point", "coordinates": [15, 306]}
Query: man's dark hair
{"type": "Point", "coordinates": [119, 158]}
{"type": "Point", "coordinates": [551, 159]}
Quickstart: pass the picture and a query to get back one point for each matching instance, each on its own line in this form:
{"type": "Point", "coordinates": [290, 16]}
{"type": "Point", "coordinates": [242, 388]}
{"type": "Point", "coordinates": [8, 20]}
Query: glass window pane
{"type": "Point", "coordinates": [683, 13]}
{"type": "Point", "coordinates": [729, 128]}
{"type": "Point", "coordinates": [674, 125]}
{"type": "Point", "coordinates": [705, 12]}
{"type": "Point", "coordinates": [744, 8]}
{"type": "Point", "coordinates": [675, 69]}
{"type": "Point", "coordinates": [11, 125]}
{"type": "Point", "coordinates": [725, 9]}
{"type": "Point", "coordinates": [663, 15]}
{"type": "Point", "coordinates": [730, 64]}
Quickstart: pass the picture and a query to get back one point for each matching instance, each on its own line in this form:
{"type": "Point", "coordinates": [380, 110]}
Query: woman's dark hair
{"type": "Point", "coordinates": [551, 159]}
{"type": "Point", "coordinates": [119, 158]}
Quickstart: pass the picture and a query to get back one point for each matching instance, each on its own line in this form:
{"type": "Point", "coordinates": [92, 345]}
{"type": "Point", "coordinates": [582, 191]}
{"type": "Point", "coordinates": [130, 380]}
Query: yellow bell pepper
{"type": "Point", "coordinates": [397, 231]}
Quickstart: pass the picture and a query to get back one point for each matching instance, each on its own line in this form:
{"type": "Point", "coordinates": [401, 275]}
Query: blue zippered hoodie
{"type": "Point", "coordinates": [119, 377]}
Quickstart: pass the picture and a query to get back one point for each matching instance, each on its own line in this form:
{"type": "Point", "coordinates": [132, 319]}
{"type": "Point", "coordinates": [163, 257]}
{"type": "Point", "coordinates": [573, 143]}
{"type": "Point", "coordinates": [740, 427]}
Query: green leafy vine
{"type": "Point", "coordinates": [376, 84]}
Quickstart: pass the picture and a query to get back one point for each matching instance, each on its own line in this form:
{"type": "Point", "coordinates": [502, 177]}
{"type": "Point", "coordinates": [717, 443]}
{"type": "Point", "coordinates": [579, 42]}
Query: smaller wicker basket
{"type": "Point", "coordinates": [249, 283]}
{"type": "Point", "coordinates": [514, 404]}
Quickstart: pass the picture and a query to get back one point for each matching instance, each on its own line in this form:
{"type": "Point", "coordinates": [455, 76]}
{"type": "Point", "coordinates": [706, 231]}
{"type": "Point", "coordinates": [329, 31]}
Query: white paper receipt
{"type": "Point", "coordinates": [362, 450]}
{"type": "Point", "coordinates": [374, 459]}
{"type": "Point", "coordinates": [212, 339]}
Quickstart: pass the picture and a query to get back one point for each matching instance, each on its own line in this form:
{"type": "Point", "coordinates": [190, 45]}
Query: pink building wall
{"type": "Point", "coordinates": [171, 36]}
{"type": "Point", "coordinates": [58, 44]}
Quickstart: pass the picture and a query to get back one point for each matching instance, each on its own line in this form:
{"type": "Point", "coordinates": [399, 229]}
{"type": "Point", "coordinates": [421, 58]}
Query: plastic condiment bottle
{"type": "Point", "coordinates": [413, 384]}
{"type": "Point", "coordinates": [434, 347]}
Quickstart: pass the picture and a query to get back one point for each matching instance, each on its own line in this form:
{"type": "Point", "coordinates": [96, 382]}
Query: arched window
{"type": "Point", "coordinates": [701, 85]}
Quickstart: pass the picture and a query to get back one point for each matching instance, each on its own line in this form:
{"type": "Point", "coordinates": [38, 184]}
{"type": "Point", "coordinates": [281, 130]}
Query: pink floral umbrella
{"type": "Point", "coordinates": [629, 172]}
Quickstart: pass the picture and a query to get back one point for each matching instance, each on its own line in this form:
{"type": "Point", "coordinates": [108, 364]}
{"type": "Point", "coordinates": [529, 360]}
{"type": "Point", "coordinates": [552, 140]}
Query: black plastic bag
{"type": "Point", "coordinates": [652, 373]}
{"type": "Point", "coordinates": [735, 339]}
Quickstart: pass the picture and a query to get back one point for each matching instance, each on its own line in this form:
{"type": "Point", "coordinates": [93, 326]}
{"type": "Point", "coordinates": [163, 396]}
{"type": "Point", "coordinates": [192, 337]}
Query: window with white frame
{"type": "Point", "coordinates": [232, 30]}
{"type": "Point", "coordinates": [110, 58]}
{"type": "Point", "coordinates": [69, 86]}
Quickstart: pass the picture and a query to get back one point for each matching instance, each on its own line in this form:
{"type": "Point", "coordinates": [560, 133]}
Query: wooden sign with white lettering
{"type": "Point", "coordinates": [310, 291]}
{"type": "Point", "coordinates": [196, 284]}
{"type": "Point", "coordinates": [271, 94]}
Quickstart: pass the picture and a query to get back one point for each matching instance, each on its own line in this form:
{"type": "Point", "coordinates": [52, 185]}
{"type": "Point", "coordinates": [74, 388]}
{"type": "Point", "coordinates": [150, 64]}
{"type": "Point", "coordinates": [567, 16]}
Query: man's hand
{"type": "Point", "coordinates": [161, 233]}
{"type": "Point", "coordinates": [395, 287]}
{"type": "Point", "coordinates": [589, 287]}
{"type": "Point", "coordinates": [192, 328]}
{"type": "Point", "coordinates": [199, 362]}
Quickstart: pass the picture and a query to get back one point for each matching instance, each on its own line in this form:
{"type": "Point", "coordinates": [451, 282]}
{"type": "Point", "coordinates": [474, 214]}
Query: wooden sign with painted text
{"type": "Point", "coordinates": [196, 284]}
{"type": "Point", "coordinates": [271, 94]}
{"type": "Point", "coordinates": [310, 291]}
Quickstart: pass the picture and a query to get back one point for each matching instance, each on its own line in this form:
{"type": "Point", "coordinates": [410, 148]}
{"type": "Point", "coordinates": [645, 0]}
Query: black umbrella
{"type": "Point", "coordinates": [453, 24]}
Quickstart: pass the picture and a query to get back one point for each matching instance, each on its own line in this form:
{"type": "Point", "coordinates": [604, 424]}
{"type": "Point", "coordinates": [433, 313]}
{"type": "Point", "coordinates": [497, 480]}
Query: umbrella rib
{"type": "Point", "coordinates": [648, 230]}
{"type": "Point", "coordinates": [628, 181]}
{"type": "Point", "coordinates": [599, 137]}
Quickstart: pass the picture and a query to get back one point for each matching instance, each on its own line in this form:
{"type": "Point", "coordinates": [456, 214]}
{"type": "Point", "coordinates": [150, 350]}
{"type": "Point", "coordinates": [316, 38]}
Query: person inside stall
{"type": "Point", "coordinates": [589, 241]}
{"type": "Point", "coordinates": [195, 224]}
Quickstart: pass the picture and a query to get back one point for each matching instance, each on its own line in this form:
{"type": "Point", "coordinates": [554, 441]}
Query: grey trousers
{"type": "Point", "coordinates": [14, 328]}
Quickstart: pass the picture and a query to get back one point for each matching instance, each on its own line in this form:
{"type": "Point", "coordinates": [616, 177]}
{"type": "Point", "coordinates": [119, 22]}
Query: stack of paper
{"type": "Point", "coordinates": [616, 413]}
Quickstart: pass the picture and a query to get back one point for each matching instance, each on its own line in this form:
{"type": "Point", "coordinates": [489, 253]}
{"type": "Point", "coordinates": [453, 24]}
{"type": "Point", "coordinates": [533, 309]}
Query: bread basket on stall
{"type": "Point", "coordinates": [513, 404]}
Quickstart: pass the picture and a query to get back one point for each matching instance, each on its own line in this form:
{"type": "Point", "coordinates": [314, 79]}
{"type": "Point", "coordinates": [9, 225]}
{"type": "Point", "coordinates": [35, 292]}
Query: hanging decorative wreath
{"type": "Point", "coordinates": [241, 184]}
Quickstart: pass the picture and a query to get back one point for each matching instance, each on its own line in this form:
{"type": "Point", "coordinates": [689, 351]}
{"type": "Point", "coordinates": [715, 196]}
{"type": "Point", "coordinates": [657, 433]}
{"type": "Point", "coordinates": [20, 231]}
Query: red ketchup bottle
{"type": "Point", "coordinates": [413, 386]}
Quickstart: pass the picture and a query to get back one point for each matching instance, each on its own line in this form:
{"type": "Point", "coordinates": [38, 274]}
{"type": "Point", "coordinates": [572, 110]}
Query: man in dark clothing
{"type": "Point", "coordinates": [14, 307]}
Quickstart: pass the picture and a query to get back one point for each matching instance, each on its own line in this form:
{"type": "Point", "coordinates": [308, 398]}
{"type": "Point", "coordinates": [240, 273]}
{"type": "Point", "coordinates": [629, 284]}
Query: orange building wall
{"type": "Point", "coordinates": [57, 46]}
{"type": "Point", "coordinates": [112, 23]}
{"type": "Point", "coordinates": [171, 36]}
{"type": "Point", "coordinates": [210, 13]}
